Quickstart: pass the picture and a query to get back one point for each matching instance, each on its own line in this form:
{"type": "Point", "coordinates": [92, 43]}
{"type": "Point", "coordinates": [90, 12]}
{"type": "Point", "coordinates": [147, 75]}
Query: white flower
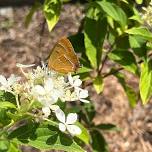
{"type": "Point", "coordinates": [6, 84]}
{"type": "Point", "coordinates": [67, 123]}
{"type": "Point", "coordinates": [46, 111]}
{"type": "Point", "coordinates": [82, 94]}
{"type": "Point", "coordinates": [74, 81]}
{"type": "Point", "coordinates": [69, 96]}
{"type": "Point", "coordinates": [46, 94]}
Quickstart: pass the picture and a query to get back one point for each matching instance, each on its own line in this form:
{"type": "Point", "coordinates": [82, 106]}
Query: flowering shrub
{"type": "Point", "coordinates": [43, 109]}
{"type": "Point", "coordinates": [45, 92]}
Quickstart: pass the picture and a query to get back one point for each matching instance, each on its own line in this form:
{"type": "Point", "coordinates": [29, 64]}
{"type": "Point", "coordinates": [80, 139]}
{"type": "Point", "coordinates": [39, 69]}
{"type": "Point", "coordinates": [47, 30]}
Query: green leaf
{"type": "Point", "coordinates": [7, 105]}
{"type": "Point", "coordinates": [7, 96]}
{"type": "Point", "coordinates": [13, 148]}
{"type": "Point", "coordinates": [125, 59]}
{"type": "Point", "coordinates": [4, 119]}
{"type": "Point", "coordinates": [142, 31]}
{"type": "Point", "coordinates": [84, 136]}
{"type": "Point", "coordinates": [94, 36]}
{"type": "Point", "coordinates": [51, 9]}
{"type": "Point", "coordinates": [131, 94]}
{"type": "Point", "coordinates": [145, 83]}
{"type": "Point", "coordinates": [44, 137]}
{"type": "Point", "coordinates": [4, 145]}
{"type": "Point", "coordinates": [88, 113]}
{"type": "Point", "coordinates": [84, 69]}
{"type": "Point", "coordinates": [139, 1]}
{"type": "Point", "coordinates": [29, 16]}
{"type": "Point", "coordinates": [98, 142]}
{"type": "Point", "coordinates": [98, 84]}
{"type": "Point", "coordinates": [138, 45]}
{"type": "Point", "coordinates": [109, 127]}
{"type": "Point", "coordinates": [114, 11]}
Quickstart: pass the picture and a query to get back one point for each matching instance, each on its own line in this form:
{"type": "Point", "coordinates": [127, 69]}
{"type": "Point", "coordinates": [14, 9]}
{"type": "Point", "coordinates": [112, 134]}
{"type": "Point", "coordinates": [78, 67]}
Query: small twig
{"type": "Point", "coordinates": [106, 58]}
{"type": "Point", "coordinates": [41, 33]}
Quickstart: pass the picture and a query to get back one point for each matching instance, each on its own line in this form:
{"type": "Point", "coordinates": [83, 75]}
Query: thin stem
{"type": "Point", "coordinates": [106, 58]}
{"type": "Point", "coordinates": [17, 102]}
{"type": "Point", "coordinates": [52, 122]}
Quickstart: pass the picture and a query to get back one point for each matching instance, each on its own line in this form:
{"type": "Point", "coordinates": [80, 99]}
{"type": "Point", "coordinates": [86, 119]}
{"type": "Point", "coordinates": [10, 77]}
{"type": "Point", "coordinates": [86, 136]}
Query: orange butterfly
{"type": "Point", "coordinates": [63, 58]}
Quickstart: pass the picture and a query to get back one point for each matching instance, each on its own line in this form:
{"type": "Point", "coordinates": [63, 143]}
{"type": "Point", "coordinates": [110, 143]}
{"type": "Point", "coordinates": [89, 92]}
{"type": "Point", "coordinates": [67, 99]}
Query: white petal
{"type": "Point", "coordinates": [54, 107]}
{"type": "Point", "coordinates": [83, 94]}
{"type": "Point", "coordinates": [24, 66]}
{"type": "Point", "coordinates": [71, 118]}
{"type": "Point", "coordinates": [3, 80]}
{"type": "Point", "coordinates": [84, 100]}
{"type": "Point", "coordinates": [70, 79]}
{"type": "Point", "coordinates": [46, 111]}
{"type": "Point", "coordinates": [77, 83]}
{"type": "Point", "coordinates": [48, 85]}
{"type": "Point", "coordinates": [62, 127]}
{"type": "Point", "coordinates": [74, 130]}
{"type": "Point", "coordinates": [60, 115]}
{"type": "Point", "coordinates": [12, 79]}
{"type": "Point", "coordinates": [39, 90]}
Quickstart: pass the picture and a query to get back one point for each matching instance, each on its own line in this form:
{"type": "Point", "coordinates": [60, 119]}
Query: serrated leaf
{"type": "Point", "coordinates": [44, 137]}
{"type": "Point", "coordinates": [51, 9]}
{"type": "Point", "coordinates": [125, 59]}
{"type": "Point", "coordinates": [114, 11]}
{"type": "Point", "coordinates": [98, 84]}
{"type": "Point", "coordinates": [145, 83]}
{"type": "Point", "coordinates": [142, 31]}
{"type": "Point", "coordinates": [99, 143]}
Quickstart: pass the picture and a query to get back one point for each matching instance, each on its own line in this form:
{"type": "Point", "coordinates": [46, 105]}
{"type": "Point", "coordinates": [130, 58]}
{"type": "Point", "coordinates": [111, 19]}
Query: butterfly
{"type": "Point", "coordinates": [63, 58]}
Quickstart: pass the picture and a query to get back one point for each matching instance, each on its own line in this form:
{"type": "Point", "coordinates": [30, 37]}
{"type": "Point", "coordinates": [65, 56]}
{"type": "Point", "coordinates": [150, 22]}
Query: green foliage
{"type": "Point", "coordinates": [98, 84]}
{"type": "Point", "coordinates": [111, 31]}
{"type": "Point", "coordinates": [145, 81]}
{"type": "Point", "coordinates": [98, 142]}
{"type": "Point", "coordinates": [44, 137]}
{"type": "Point", "coordinates": [51, 9]}
{"type": "Point", "coordinates": [128, 63]}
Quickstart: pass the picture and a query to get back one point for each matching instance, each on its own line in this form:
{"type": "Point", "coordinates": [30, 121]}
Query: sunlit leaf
{"type": "Point", "coordinates": [84, 136]}
{"type": "Point", "coordinates": [145, 83]}
{"type": "Point", "coordinates": [142, 31]}
{"type": "Point", "coordinates": [98, 84]}
{"type": "Point", "coordinates": [51, 10]}
{"type": "Point", "coordinates": [94, 36]}
{"type": "Point", "coordinates": [114, 11]}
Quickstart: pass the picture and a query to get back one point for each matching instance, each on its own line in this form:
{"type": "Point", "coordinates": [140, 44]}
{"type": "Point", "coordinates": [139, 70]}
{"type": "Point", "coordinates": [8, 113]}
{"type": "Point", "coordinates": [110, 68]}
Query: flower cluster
{"type": "Point", "coordinates": [46, 87]}
{"type": "Point", "coordinates": [147, 15]}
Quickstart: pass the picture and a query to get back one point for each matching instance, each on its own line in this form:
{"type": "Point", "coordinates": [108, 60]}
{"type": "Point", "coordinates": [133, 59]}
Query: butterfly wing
{"type": "Point", "coordinates": [63, 59]}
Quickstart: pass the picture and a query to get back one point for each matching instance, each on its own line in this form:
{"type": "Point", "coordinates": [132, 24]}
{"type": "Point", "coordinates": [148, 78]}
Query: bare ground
{"type": "Point", "coordinates": [18, 44]}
